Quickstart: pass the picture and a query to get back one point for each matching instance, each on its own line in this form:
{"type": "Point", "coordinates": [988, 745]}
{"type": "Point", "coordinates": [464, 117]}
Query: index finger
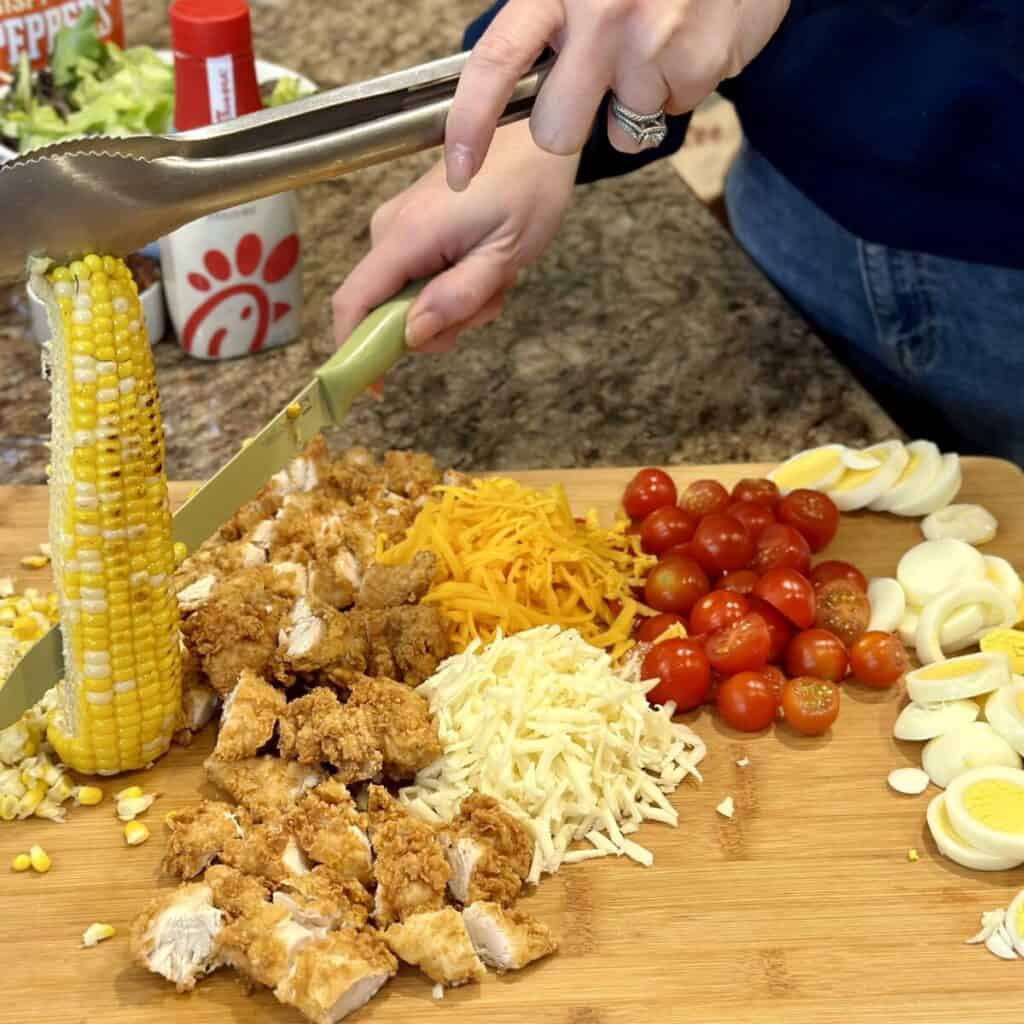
{"type": "Point", "coordinates": [505, 52]}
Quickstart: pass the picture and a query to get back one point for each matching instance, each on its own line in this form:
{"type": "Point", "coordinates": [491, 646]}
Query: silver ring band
{"type": "Point", "coordinates": [646, 130]}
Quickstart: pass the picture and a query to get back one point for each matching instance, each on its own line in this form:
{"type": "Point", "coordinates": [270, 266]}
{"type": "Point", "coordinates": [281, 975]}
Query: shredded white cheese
{"type": "Point", "coordinates": [544, 722]}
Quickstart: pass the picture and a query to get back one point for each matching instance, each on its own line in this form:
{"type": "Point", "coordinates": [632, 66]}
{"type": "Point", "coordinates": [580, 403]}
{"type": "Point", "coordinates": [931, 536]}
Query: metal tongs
{"type": "Point", "coordinates": [115, 195]}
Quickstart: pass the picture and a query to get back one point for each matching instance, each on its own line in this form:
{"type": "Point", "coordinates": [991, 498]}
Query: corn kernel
{"type": "Point", "coordinates": [39, 859]}
{"type": "Point", "coordinates": [180, 552]}
{"type": "Point", "coordinates": [24, 628]}
{"type": "Point", "coordinates": [131, 793]}
{"type": "Point", "coordinates": [88, 796]}
{"type": "Point", "coordinates": [246, 441]}
{"type": "Point", "coordinates": [22, 862]}
{"type": "Point", "coordinates": [294, 411]}
{"type": "Point", "coordinates": [97, 933]}
{"type": "Point", "coordinates": [34, 561]}
{"type": "Point", "coordinates": [913, 855]}
{"type": "Point", "coordinates": [135, 833]}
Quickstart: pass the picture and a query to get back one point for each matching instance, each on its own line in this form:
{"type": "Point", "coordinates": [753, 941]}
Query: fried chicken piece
{"type": "Point", "coordinates": [198, 699]}
{"type": "Point", "coordinates": [269, 850]}
{"type": "Point", "coordinates": [406, 643]}
{"type": "Point", "coordinates": [198, 835]}
{"type": "Point", "coordinates": [382, 807]}
{"type": "Point", "coordinates": [318, 728]}
{"type": "Point", "coordinates": [262, 944]}
{"type": "Point", "coordinates": [263, 507]}
{"type": "Point", "coordinates": [488, 850]}
{"type": "Point", "coordinates": [217, 559]}
{"type": "Point", "coordinates": [388, 586]}
{"type": "Point", "coordinates": [324, 899]}
{"type": "Point", "coordinates": [439, 944]}
{"type": "Point", "coordinates": [406, 733]}
{"type": "Point", "coordinates": [236, 894]}
{"type": "Point", "coordinates": [507, 939]}
{"type": "Point", "coordinates": [250, 713]}
{"type": "Point", "coordinates": [337, 974]}
{"type": "Point", "coordinates": [265, 786]}
{"type": "Point", "coordinates": [175, 936]}
{"type": "Point", "coordinates": [311, 466]}
{"type": "Point", "coordinates": [412, 474]}
{"type": "Point", "coordinates": [332, 833]}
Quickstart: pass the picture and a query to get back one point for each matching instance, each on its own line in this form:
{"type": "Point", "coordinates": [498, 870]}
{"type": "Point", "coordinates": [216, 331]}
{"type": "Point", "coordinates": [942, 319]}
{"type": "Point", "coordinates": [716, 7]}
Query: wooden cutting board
{"type": "Point", "coordinates": [803, 908]}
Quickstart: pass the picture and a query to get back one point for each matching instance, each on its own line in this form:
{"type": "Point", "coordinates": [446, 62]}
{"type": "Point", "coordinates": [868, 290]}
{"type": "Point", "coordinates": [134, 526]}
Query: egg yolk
{"type": "Point", "coordinates": [806, 468]}
{"type": "Point", "coordinates": [912, 463]}
{"type": "Point", "coordinates": [996, 803]}
{"type": "Point", "coordinates": [952, 669]}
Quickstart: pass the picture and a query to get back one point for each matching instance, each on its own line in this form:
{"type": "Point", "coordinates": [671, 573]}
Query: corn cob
{"type": "Point", "coordinates": [110, 525]}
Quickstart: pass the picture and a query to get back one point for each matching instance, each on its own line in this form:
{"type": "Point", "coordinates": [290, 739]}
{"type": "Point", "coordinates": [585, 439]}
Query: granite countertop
{"type": "Point", "coordinates": [643, 336]}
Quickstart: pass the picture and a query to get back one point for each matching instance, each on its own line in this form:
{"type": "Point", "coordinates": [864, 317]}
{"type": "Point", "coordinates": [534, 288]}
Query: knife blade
{"type": "Point", "coordinates": [370, 351]}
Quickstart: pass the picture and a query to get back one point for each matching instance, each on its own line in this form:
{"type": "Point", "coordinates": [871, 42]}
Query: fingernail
{"type": "Point", "coordinates": [421, 328]}
{"type": "Point", "coordinates": [460, 167]}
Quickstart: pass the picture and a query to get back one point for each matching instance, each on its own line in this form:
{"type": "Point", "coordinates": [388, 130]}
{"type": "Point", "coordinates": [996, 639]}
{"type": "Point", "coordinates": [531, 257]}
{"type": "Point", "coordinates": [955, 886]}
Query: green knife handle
{"type": "Point", "coordinates": [371, 350]}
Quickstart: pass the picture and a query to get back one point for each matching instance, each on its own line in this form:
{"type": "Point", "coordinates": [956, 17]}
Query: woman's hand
{"type": "Point", "coordinates": [483, 235]}
{"type": "Point", "coordinates": [654, 54]}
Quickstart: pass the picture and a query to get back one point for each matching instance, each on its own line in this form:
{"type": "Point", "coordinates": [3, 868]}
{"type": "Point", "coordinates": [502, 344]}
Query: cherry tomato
{"type": "Point", "coordinates": [742, 581]}
{"type": "Point", "coordinates": [812, 513]}
{"type": "Point", "coordinates": [664, 528]}
{"type": "Point", "coordinates": [740, 647]}
{"type": "Point", "coordinates": [780, 629]}
{"type": "Point", "coordinates": [842, 608]}
{"type": "Point", "coordinates": [753, 516]}
{"type": "Point", "coordinates": [687, 550]}
{"type": "Point", "coordinates": [878, 659]}
{"type": "Point", "coordinates": [722, 543]}
{"type": "Point", "coordinates": [675, 585]}
{"type": "Point", "coordinates": [774, 675]}
{"type": "Point", "coordinates": [717, 610]}
{"type": "Point", "coordinates": [810, 705]}
{"type": "Point", "coordinates": [703, 497]}
{"type": "Point", "coordinates": [789, 592]}
{"type": "Point", "coordinates": [682, 671]}
{"type": "Point", "coordinates": [648, 490]}
{"type": "Point", "coordinates": [826, 572]}
{"type": "Point", "coordinates": [650, 629]}
{"type": "Point", "coordinates": [818, 653]}
{"type": "Point", "coordinates": [781, 547]}
{"type": "Point", "coordinates": [758, 491]}
{"type": "Point", "coordinates": [746, 701]}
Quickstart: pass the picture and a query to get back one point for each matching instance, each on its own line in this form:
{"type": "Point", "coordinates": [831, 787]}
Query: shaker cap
{"type": "Point", "coordinates": [210, 28]}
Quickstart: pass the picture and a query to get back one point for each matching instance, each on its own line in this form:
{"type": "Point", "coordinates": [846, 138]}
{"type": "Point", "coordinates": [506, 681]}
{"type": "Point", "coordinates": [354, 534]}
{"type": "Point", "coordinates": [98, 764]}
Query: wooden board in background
{"type": "Point", "coordinates": [803, 909]}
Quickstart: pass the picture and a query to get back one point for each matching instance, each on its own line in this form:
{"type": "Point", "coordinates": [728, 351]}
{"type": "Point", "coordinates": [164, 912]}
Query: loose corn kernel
{"type": "Point", "coordinates": [34, 561]}
{"type": "Point", "coordinates": [45, 550]}
{"type": "Point", "coordinates": [180, 552]}
{"type": "Point", "coordinates": [8, 807]}
{"type": "Point", "coordinates": [913, 855]}
{"type": "Point", "coordinates": [246, 441]}
{"type": "Point", "coordinates": [131, 793]}
{"type": "Point", "coordinates": [88, 796]}
{"type": "Point", "coordinates": [21, 862]}
{"type": "Point", "coordinates": [39, 859]}
{"type": "Point", "coordinates": [294, 411]}
{"type": "Point", "coordinates": [6, 586]}
{"type": "Point", "coordinates": [97, 933]}
{"type": "Point", "coordinates": [135, 833]}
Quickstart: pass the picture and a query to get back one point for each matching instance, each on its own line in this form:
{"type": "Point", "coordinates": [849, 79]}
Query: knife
{"type": "Point", "coordinates": [370, 351]}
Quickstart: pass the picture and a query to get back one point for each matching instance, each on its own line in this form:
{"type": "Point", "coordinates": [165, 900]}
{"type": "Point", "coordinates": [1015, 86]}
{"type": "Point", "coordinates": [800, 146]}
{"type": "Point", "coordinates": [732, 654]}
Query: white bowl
{"type": "Point", "coordinates": [153, 313]}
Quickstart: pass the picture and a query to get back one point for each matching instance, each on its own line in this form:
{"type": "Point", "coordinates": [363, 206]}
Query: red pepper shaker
{"type": "Point", "coordinates": [232, 279]}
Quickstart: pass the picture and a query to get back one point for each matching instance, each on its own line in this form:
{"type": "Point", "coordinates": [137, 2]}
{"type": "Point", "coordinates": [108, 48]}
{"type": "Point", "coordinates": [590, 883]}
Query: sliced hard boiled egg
{"type": "Point", "coordinates": [972, 746]}
{"type": "Point", "coordinates": [888, 604]}
{"type": "Point", "coordinates": [933, 566]}
{"type": "Point", "coordinates": [1004, 576]}
{"type": "Point", "coordinates": [924, 722]}
{"type": "Point", "coordinates": [970, 523]}
{"type": "Point", "coordinates": [1004, 711]}
{"type": "Point", "coordinates": [857, 488]}
{"type": "Point", "coordinates": [998, 612]}
{"type": "Point", "coordinates": [952, 845]}
{"type": "Point", "coordinates": [958, 678]}
{"type": "Point", "coordinates": [960, 630]}
{"type": "Point", "coordinates": [818, 468]}
{"type": "Point", "coordinates": [923, 462]}
{"type": "Point", "coordinates": [909, 781]}
{"type": "Point", "coordinates": [1014, 922]}
{"type": "Point", "coordinates": [986, 806]}
{"type": "Point", "coordinates": [944, 487]}
{"type": "Point", "coordinates": [1006, 641]}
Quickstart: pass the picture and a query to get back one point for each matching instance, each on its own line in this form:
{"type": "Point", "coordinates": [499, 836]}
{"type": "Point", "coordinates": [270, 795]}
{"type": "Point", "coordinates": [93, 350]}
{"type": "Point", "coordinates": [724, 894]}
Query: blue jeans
{"type": "Point", "coordinates": [939, 342]}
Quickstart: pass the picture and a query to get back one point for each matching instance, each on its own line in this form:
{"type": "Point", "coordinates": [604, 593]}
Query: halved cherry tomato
{"type": "Point", "coordinates": [703, 497]}
{"type": "Point", "coordinates": [757, 490]}
{"type": "Point", "coordinates": [818, 653]}
{"type": "Point", "coordinates": [717, 610]}
{"type": "Point", "coordinates": [742, 581]}
{"type": "Point", "coordinates": [812, 513]}
{"type": "Point", "coordinates": [826, 572]}
{"type": "Point", "coordinates": [746, 701]}
{"type": "Point", "coordinates": [776, 677]}
{"type": "Point", "coordinates": [780, 629]}
{"type": "Point", "coordinates": [649, 489]}
{"type": "Point", "coordinates": [753, 516]}
{"type": "Point", "coordinates": [682, 671]}
{"type": "Point", "coordinates": [675, 585]}
{"type": "Point", "coordinates": [650, 629]}
{"type": "Point", "coordinates": [789, 592]}
{"type": "Point", "coordinates": [740, 647]}
{"type": "Point", "coordinates": [664, 528]}
{"type": "Point", "coordinates": [810, 705]}
{"type": "Point", "coordinates": [878, 659]}
{"type": "Point", "coordinates": [842, 608]}
{"type": "Point", "coordinates": [781, 547]}
{"type": "Point", "coordinates": [722, 543]}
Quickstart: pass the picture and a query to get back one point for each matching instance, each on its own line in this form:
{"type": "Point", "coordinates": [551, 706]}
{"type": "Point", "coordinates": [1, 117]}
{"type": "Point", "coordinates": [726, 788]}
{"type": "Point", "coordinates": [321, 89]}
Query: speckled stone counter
{"type": "Point", "coordinates": [644, 335]}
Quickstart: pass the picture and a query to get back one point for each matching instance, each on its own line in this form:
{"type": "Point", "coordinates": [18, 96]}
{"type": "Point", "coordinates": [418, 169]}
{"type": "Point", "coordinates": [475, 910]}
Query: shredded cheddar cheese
{"type": "Point", "coordinates": [513, 558]}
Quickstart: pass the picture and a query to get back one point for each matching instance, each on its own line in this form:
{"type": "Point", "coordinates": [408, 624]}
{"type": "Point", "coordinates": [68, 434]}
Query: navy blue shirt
{"type": "Point", "coordinates": [904, 121]}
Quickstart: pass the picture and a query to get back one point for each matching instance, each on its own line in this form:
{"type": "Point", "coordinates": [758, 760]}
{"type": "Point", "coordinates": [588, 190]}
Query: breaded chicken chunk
{"type": "Point", "coordinates": [388, 586]}
{"type": "Point", "coordinates": [265, 786]}
{"type": "Point", "coordinates": [236, 894]}
{"type": "Point", "coordinates": [332, 833]}
{"type": "Point", "coordinates": [438, 943]}
{"type": "Point", "coordinates": [197, 835]}
{"type": "Point", "coordinates": [249, 716]}
{"type": "Point", "coordinates": [261, 945]}
{"type": "Point", "coordinates": [382, 807]}
{"type": "Point", "coordinates": [507, 939]}
{"type": "Point", "coordinates": [324, 899]}
{"type": "Point", "coordinates": [199, 700]}
{"type": "Point", "coordinates": [269, 851]}
{"type": "Point", "coordinates": [488, 850]}
{"type": "Point", "coordinates": [337, 974]}
{"type": "Point", "coordinates": [175, 936]}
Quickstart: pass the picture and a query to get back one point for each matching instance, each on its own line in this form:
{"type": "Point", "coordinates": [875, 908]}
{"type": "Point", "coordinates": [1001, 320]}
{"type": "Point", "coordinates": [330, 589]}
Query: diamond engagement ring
{"type": "Point", "coordinates": [646, 130]}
